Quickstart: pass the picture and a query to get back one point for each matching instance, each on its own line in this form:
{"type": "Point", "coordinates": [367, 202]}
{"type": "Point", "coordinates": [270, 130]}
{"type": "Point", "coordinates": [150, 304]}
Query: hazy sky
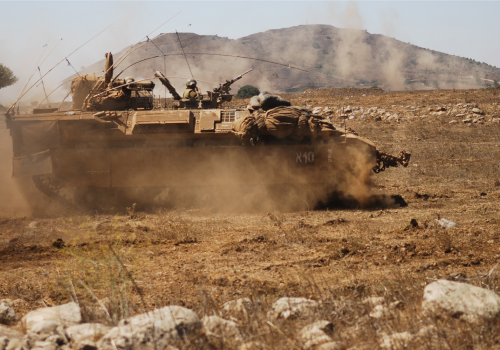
{"type": "Point", "coordinates": [464, 28]}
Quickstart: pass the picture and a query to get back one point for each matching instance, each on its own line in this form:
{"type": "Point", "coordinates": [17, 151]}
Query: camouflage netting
{"type": "Point", "coordinates": [280, 122]}
{"type": "Point", "coordinates": [80, 88]}
{"type": "Point", "coordinates": [109, 101]}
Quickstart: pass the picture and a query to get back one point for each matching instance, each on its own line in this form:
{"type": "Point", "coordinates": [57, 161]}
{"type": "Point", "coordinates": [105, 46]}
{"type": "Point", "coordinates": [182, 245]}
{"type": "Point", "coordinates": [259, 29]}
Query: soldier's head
{"type": "Point", "coordinates": [191, 83]}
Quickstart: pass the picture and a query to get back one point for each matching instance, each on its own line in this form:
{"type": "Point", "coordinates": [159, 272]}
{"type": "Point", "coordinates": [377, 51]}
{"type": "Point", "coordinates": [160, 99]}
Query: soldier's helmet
{"type": "Point", "coordinates": [129, 80]}
{"type": "Point", "coordinates": [191, 83]}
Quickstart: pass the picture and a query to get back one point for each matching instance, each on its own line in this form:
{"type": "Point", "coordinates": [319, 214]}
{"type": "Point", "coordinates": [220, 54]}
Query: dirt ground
{"type": "Point", "coordinates": [201, 258]}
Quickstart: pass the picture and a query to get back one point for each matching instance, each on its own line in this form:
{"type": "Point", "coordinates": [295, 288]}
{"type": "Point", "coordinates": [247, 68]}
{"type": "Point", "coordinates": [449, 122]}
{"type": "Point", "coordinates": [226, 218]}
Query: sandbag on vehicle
{"type": "Point", "coordinates": [316, 123]}
{"type": "Point", "coordinates": [281, 121]}
{"type": "Point", "coordinates": [302, 128]}
{"type": "Point", "coordinates": [245, 128]}
{"type": "Point", "coordinates": [260, 122]}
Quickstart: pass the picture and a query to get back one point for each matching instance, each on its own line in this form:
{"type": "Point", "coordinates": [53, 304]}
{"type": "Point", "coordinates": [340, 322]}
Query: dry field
{"type": "Point", "coordinates": [201, 258]}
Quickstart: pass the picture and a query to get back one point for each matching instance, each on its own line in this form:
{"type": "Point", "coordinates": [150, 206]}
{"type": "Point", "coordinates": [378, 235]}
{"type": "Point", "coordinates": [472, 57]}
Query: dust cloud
{"type": "Point", "coordinates": [390, 63]}
{"type": "Point", "coordinates": [12, 202]}
{"type": "Point", "coordinates": [263, 179]}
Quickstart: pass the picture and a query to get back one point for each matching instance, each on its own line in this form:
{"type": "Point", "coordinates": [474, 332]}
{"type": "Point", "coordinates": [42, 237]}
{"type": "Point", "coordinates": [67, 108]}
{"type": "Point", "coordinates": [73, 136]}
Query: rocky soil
{"type": "Point", "coordinates": [423, 276]}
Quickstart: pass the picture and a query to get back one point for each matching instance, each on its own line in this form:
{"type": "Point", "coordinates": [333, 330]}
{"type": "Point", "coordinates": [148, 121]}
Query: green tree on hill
{"type": "Point", "coordinates": [7, 77]}
{"type": "Point", "coordinates": [247, 91]}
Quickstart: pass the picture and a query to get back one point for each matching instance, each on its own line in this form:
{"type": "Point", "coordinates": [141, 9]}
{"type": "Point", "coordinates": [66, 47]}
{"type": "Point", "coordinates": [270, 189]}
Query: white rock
{"type": "Point", "coordinates": [4, 341]}
{"type": "Point", "coordinates": [65, 315]}
{"type": "Point", "coordinates": [446, 223]}
{"type": "Point", "coordinates": [57, 339]}
{"type": "Point", "coordinates": [252, 345]}
{"type": "Point", "coordinates": [293, 307]}
{"type": "Point", "coordinates": [87, 333]}
{"type": "Point", "coordinates": [44, 327]}
{"type": "Point", "coordinates": [380, 311]}
{"type": "Point", "coordinates": [222, 333]}
{"type": "Point", "coordinates": [7, 313]}
{"type": "Point", "coordinates": [428, 337]}
{"type": "Point", "coordinates": [453, 122]}
{"type": "Point", "coordinates": [396, 340]}
{"type": "Point", "coordinates": [163, 325]}
{"type": "Point", "coordinates": [332, 345]}
{"type": "Point", "coordinates": [9, 334]}
{"type": "Point", "coordinates": [460, 300]}
{"type": "Point", "coordinates": [467, 121]}
{"type": "Point", "coordinates": [317, 110]}
{"type": "Point", "coordinates": [373, 301]}
{"type": "Point", "coordinates": [351, 117]}
{"type": "Point", "coordinates": [237, 308]}
{"type": "Point", "coordinates": [33, 224]}
{"type": "Point", "coordinates": [460, 115]}
{"type": "Point", "coordinates": [87, 344]}
{"type": "Point", "coordinates": [17, 344]}
{"type": "Point", "coordinates": [495, 120]}
{"type": "Point", "coordinates": [316, 333]}
{"type": "Point", "coordinates": [477, 111]}
{"type": "Point", "coordinates": [327, 110]}
{"type": "Point", "coordinates": [44, 345]}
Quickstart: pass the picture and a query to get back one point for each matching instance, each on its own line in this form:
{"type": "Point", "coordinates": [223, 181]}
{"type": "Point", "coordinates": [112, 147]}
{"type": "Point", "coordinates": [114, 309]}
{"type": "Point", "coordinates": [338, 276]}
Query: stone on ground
{"type": "Point", "coordinates": [316, 333]}
{"type": "Point", "coordinates": [222, 333]}
{"type": "Point", "coordinates": [65, 315]}
{"type": "Point", "coordinates": [9, 337]}
{"type": "Point", "coordinates": [293, 307]}
{"type": "Point", "coordinates": [396, 341]}
{"type": "Point", "coordinates": [237, 308]}
{"type": "Point", "coordinates": [7, 313]}
{"type": "Point", "coordinates": [86, 335]}
{"type": "Point", "coordinates": [165, 325]}
{"type": "Point", "coordinates": [460, 300]}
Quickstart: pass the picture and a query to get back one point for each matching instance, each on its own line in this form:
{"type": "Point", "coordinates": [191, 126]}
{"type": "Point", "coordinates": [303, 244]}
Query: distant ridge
{"type": "Point", "coordinates": [333, 56]}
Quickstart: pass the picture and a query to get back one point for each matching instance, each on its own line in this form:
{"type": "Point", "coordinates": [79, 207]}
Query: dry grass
{"type": "Point", "coordinates": [201, 259]}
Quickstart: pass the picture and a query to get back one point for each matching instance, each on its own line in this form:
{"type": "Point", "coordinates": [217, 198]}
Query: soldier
{"type": "Point", "coordinates": [191, 91]}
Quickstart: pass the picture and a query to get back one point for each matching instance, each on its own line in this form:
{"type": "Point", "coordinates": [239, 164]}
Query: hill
{"type": "Point", "coordinates": [333, 57]}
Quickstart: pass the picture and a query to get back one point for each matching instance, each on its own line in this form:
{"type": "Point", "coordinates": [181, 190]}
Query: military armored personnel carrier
{"type": "Point", "coordinates": [115, 145]}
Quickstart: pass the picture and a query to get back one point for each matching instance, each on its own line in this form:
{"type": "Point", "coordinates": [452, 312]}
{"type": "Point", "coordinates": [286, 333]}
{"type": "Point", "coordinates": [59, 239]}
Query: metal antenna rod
{"type": "Point", "coordinates": [345, 125]}
{"type": "Point", "coordinates": [78, 48]}
{"type": "Point", "coordinates": [38, 64]}
{"type": "Point", "coordinates": [164, 67]}
{"type": "Point", "coordinates": [178, 37]}
{"type": "Point", "coordinates": [43, 85]}
{"type": "Point", "coordinates": [133, 48]}
{"type": "Point", "coordinates": [122, 59]}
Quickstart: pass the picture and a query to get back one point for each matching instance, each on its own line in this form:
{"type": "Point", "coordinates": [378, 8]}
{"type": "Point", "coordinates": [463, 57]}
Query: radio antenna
{"type": "Point", "coordinates": [78, 48]}
{"type": "Point", "coordinates": [134, 47]}
{"type": "Point", "coordinates": [121, 59]}
{"type": "Point", "coordinates": [180, 43]}
{"type": "Point", "coordinates": [210, 54]}
{"type": "Point", "coordinates": [38, 64]}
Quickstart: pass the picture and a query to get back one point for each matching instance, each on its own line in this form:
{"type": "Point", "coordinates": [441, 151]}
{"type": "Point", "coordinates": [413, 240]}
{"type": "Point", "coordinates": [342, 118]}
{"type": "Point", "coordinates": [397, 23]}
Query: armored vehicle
{"type": "Point", "coordinates": [114, 146]}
